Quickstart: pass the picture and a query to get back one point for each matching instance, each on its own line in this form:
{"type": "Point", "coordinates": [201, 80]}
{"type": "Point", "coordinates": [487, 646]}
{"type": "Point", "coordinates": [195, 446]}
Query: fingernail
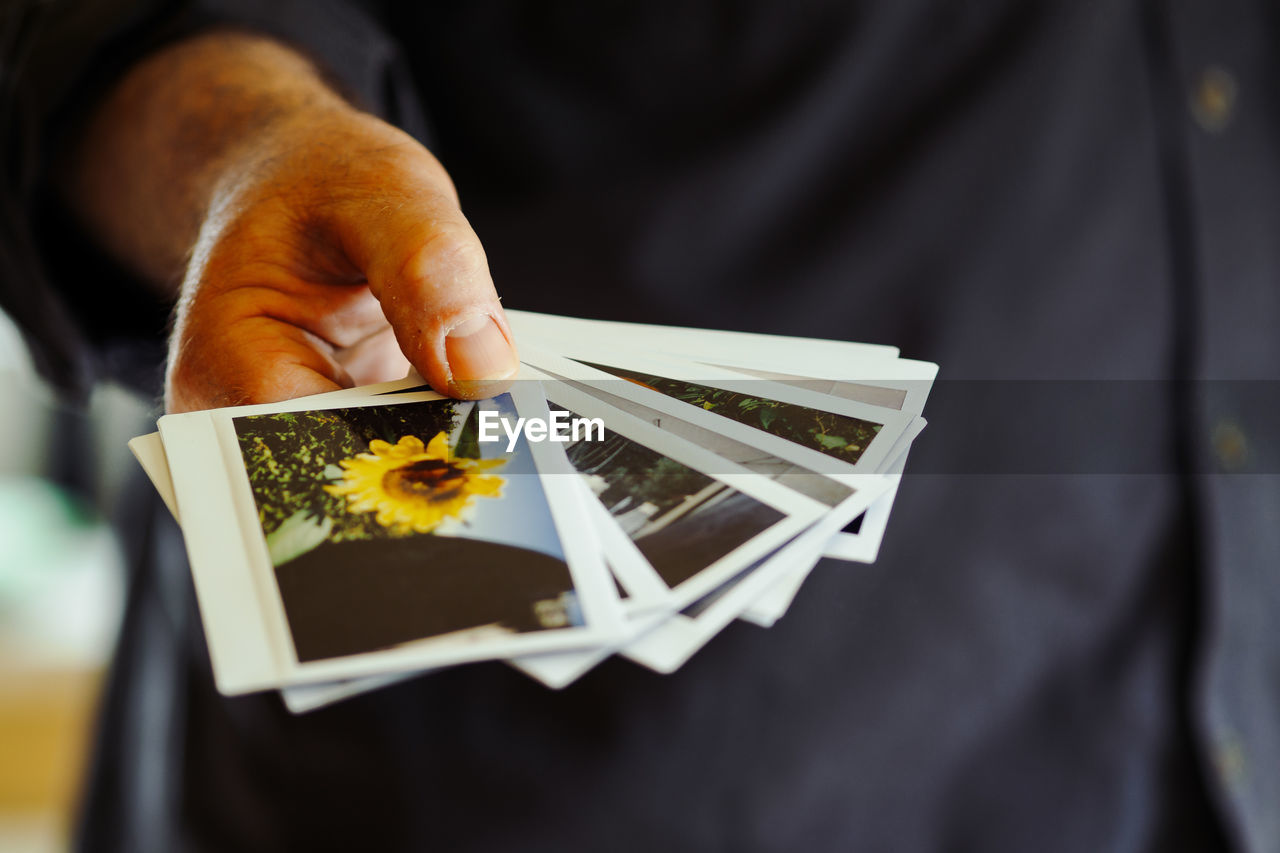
{"type": "Point", "coordinates": [478, 353]}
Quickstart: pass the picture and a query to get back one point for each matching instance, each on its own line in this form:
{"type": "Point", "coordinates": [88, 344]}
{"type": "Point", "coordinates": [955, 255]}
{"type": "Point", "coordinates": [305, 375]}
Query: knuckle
{"type": "Point", "coordinates": [448, 255]}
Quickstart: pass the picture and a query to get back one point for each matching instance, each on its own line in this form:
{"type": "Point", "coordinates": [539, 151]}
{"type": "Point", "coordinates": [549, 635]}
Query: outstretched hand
{"type": "Point", "coordinates": [336, 256]}
{"type": "Point", "coordinates": [323, 247]}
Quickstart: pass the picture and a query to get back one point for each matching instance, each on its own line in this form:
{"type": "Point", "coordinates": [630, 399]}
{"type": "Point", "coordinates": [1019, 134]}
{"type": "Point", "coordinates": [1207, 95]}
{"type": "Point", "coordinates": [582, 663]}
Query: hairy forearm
{"type": "Point", "coordinates": [179, 126]}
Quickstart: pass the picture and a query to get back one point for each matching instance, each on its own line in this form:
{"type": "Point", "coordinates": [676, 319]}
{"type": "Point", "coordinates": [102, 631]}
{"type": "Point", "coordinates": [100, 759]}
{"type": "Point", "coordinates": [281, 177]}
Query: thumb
{"type": "Point", "coordinates": [428, 270]}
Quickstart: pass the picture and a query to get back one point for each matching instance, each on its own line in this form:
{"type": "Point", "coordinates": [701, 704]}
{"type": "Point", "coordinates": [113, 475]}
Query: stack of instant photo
{"type": "Point", "coordinates": [636, 490]}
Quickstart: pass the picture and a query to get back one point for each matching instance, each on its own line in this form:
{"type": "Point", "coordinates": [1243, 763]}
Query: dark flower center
{"type": "Point", "coordinates": [430, 479]}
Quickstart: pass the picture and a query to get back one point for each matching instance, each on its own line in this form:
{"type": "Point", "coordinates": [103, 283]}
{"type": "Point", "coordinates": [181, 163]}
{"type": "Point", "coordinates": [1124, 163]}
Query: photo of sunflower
{"type": "Point", "coordinates": [374, 524]}
{"type": "Point", "coordinates": [412, 487]}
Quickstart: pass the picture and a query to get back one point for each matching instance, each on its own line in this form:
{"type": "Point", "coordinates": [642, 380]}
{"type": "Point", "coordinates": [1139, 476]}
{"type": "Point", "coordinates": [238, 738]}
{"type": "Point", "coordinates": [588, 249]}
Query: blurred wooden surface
{"type": "Point", "coordinates": [46, 718]}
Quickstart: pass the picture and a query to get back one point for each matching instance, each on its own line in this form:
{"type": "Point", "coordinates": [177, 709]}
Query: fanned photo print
{"type": "Point", "coordinates": [386, 524]}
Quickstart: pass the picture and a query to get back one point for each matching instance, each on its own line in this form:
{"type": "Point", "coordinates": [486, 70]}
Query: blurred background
{"type": "Point", "coordinates": [61, 588]}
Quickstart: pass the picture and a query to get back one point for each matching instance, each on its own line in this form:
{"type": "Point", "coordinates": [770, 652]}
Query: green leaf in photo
{"type": "Point", "coordinates": [469, 437]}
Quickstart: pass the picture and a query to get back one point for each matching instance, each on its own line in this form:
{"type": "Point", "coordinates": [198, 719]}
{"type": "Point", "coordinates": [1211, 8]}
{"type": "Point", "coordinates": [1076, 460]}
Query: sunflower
{"type": "Point", "coordinates": [413, 488]}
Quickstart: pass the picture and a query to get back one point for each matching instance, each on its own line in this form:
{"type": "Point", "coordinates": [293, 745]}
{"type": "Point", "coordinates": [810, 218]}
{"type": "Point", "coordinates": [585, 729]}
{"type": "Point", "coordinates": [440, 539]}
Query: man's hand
{"type": "Point", "coordinates": [317, 247]}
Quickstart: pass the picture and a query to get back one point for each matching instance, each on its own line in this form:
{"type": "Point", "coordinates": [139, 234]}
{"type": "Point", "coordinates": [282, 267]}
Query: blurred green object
{"type": "Point", "coordinates": [60, 577]}
{"type": "Point", "coordinates": [41, 526]}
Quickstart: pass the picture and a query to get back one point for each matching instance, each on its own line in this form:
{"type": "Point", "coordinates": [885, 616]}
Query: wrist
{"type": "Point", "coordinates": [176, 130]}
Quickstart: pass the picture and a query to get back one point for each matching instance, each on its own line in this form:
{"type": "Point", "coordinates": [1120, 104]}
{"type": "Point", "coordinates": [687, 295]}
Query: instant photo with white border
{"type": "Point", "coordinates": [670, 644]}
{"type": "Point", "coordinates": [553, 328]}
{"type": "Point", "coordinates": [909, 389]}
{"type": "Point", "coordinates": [240, 602]}
{"type": "Point", "coordinates": [719, 481]}
{"type": "Point", "coordinates": [869, 454]}
{"type": "Point", "coordinates": [772, 605]}
{"type": "Point", "coordinates": [598, 382]}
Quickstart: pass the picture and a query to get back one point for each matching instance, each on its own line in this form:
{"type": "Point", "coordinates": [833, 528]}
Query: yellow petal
{"type": "Point", "coordinates": [439, 446]}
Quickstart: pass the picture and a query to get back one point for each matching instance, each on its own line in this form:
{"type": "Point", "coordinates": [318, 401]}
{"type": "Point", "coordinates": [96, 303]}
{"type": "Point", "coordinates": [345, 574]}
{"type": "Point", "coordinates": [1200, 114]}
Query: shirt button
{"type": "Point", "coordinates": [1230, 446]}
{"type": "Point", "coordinates": [1213, 99]}
{"type": "Point", "coordinates": [1229, 761]}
